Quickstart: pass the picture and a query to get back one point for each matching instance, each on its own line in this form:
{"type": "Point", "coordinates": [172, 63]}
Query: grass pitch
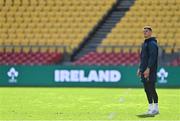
{"type": "Point", "coordinates": [84, 104]}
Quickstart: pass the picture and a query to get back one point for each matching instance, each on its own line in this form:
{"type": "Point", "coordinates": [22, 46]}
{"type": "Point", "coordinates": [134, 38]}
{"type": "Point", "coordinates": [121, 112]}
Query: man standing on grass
{"type": "Point", "coordinates": [148, 69]}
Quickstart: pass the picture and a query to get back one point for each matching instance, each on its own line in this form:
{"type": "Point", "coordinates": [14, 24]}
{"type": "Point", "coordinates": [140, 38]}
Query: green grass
{"type": "Point", "coordinates": [84, 104]}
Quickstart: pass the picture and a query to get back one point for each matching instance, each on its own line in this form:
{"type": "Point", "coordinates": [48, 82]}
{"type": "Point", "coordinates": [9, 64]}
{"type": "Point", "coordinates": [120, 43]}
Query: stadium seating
{"type": "Point", "coordinates": [94, 58]}
{"type": "Point", "coordinates": [162, 15]}
{"type": "Point", "coordinates": [127, 36]}
{"type": "Point", "coordinates": [53, 22]}
{"type": "Point", "coordinates": [58, 25]}
{"type": "Point", "coordinates": [31, 58]}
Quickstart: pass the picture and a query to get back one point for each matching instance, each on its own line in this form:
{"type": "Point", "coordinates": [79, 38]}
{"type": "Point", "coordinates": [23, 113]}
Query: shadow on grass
{"type": "Point", "coordinates": [145, 115]}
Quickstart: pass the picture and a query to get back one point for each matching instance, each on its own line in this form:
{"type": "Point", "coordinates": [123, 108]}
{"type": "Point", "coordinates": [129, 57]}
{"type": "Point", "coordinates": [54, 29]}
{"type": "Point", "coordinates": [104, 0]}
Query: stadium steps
{"type": "Point", "coordinates": [103, 28]}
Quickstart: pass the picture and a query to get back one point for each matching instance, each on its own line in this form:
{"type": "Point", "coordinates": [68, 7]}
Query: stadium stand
{"type": "Point", "coordinates": [162, 15]}
{"type": "Point", "coordinates": [126, 37]}
{"type": "Point", "coordinates": [43, 31]}
{"type": "Point", "coordinates": [54, 26]}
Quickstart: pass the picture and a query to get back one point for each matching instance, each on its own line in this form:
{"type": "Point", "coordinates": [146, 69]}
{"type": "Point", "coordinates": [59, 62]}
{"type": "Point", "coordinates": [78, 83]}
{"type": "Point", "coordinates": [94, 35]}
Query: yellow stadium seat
{"type": "Point", "coordinates": [4, 36]}
{"type": "Point", "coordinates": [17, 2]}
{"type": "Point", "coordinates": [168, 49]}
{"type": "Point", "coordinates": [100, 49]}
{"type": "Point", "coordinates": [26, 2]}
{"type": "Point", "coordinates": [8, 44]}
{"type": "Point", "coordinates": [108, 49]}
{"type": "Point", "coordinates": [42, 42]}
{"type": "Point", "coordinates": [2, 19]}
{"type": "Point", "coordinates": [9, 2]}
{"type": "Point", "coordinates": [13, 8]}
{"type": "Point", "coordinates": [126, 49]}
{"type": "Point", "coordinates": [117, 49]}
{"type": "Point", "coordinates": [2, 2]}
{"type": "Point", "coordinates": [177, 46]}
{"type": "Point", "coordinates": [43, 49]}
{"type": "Point", "coordinates": [61, 49]}
{"type": "Point", "coordinates": [52, 49]}
{"type": "Point", "coordinates": [121, 42]}
{"type": "Point", "coordinates": [17, 49]}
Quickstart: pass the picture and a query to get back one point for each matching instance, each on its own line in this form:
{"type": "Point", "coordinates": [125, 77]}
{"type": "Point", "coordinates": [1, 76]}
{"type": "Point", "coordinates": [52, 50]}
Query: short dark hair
{"type": "Point", "coordinates": [148, 27]}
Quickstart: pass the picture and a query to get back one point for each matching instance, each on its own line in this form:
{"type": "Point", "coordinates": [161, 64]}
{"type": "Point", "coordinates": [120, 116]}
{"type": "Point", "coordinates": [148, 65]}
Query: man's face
{"type": "Point", "coordinates": [147, 33]}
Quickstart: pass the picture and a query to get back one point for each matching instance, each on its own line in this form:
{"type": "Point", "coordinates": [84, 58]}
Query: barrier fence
{"type": "Point", "coordinates": [83, 76]}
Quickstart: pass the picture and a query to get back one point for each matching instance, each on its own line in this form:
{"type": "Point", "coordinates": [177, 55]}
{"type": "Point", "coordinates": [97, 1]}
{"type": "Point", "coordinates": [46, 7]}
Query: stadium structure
{"type": "Point", "coordinates": [69, 60]}
{"type": "Point", "coordinates": [86, 32]}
